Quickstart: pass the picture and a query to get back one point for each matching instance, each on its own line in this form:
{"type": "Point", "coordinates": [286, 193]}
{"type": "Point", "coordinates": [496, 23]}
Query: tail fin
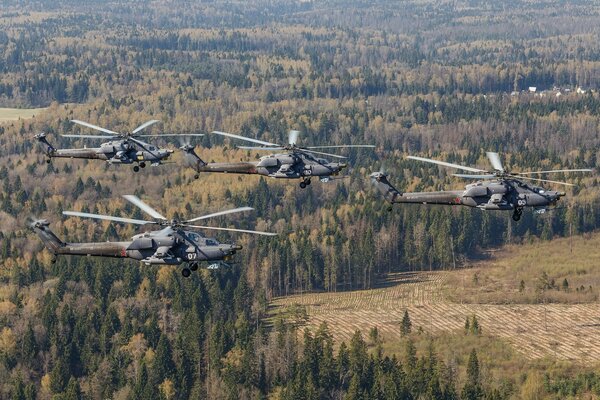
{"type": "Point", "coordinates": [51, 241]}
{"type": "Point", "coordinates": [380, 180]}
{"type": "Point", "coordinates": [191, 158]}
{"type": "Point", "coordinates": [41, 137]}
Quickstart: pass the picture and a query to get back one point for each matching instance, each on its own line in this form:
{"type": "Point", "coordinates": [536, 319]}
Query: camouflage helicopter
{"type": "Point", "coordinates": [499, 189]}
{"type": "Point", "coordinates": [296, 163]}
{"type": "Point", "coordinates": [171, 245]}
{"type": "Point", "coordinates": [123, 148]}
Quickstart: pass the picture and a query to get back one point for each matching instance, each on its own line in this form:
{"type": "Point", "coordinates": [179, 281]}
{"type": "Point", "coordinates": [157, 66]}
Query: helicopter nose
{"type": "Point", "coordinates": [343, 165]}
{"type": "Point", "coordinates": [236, 247]}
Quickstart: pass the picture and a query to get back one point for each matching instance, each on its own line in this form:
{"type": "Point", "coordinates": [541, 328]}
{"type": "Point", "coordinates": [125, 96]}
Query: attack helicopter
{"type": "Point", "coordinates": [123, 148]}
{"type": "Point", "coordinates": [171, 245]}
{"type": "Point", "coordinates": [499, 189]}
{"type": "Point", "coordinates": [296, 162]}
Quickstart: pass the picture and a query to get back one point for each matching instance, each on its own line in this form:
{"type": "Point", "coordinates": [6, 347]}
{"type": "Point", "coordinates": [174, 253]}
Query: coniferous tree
{"type": "Point", "coordinates": [406, 324]}
{"type": "Point", "coordinates": [472, 389]}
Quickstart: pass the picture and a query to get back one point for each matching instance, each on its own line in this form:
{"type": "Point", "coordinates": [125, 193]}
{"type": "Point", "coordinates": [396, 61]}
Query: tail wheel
{"type": "Point", "coordinates": [186, 272]}
{"type": "Point", "coordinates": [302, 185]}
{"type": "Point", "coordinates": [143, 164]}
{"type": "Point", "coordinates": [194, 267]}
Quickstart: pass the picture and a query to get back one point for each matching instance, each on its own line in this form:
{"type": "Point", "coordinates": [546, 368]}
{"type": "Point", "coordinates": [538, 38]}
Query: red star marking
{"type": "Point", "coordinates": [123, 253]}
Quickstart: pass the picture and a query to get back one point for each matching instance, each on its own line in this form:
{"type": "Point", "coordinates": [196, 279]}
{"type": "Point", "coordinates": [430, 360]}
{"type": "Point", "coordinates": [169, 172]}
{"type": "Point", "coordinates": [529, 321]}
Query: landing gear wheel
{"type": "Point", "coordinates": [53, 260]}
{"type": "Point", "coordinates": [517, 214]}
{"type": "Point", "coordinates": [186, 272]}
{"type": "Point", "coordinates": [48, 161]}
{"type": "Point", "coordinates": [196, 176]}
{"type": "Point", "coordinates": [194, 267]}
{"type": "Point", "coordinates": [143, 164]}
{"type": "Point", "coordinates": [302, 185]}
{"type": "Point", "coordinates": [136, 168]}
{"type": "Point", "coordinates": [307, 181]}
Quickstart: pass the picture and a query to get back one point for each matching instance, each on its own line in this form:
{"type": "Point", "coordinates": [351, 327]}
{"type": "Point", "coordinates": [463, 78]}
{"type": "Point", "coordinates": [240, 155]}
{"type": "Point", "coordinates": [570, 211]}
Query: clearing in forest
{"type": "Point", "coordinates": [14, 114]}
{"type": "Point", "coordinates": [539, 317]}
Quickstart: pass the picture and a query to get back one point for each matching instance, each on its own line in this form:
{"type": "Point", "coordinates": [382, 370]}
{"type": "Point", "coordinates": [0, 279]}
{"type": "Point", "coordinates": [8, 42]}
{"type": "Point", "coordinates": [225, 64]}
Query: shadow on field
{"type": "Point", "coordinates": [400, 278]}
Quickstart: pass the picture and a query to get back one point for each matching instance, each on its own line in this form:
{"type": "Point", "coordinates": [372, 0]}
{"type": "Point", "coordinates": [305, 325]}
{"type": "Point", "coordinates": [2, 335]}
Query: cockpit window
{"type": "Point", "coordinates": [152, 148]}
{"type": "Point", "coordinates": [193, 237]}
{"type": "Point", "coordinates": [210, 242]}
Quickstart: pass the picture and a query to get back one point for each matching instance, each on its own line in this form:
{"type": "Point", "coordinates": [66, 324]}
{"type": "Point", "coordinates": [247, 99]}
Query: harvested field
{"type": "Point", "coordinates": [564, 331]}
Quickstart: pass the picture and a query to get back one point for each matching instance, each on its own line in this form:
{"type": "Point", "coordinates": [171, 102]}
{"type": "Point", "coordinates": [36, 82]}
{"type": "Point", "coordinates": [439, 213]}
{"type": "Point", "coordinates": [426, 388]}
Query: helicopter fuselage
{"type": "Point", "coordinates": [500, 194]}
{"type": "Point", "coordinates": [163, 247]}
{"type": "Point", "coordinates": [115, 152]}
{"type": "Point", "coordinates": [282, 165]}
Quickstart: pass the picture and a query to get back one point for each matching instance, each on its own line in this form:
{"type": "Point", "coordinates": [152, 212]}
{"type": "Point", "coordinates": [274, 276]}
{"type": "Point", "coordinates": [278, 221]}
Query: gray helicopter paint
{"type": "Point", "coordinates": [163, 247]}
{"type": "Point", "coordinates": [282, 165]}
{"type": "Point", "coordinates": [486, 195]}
{"type": "Point", "coordinates": [114, 152]}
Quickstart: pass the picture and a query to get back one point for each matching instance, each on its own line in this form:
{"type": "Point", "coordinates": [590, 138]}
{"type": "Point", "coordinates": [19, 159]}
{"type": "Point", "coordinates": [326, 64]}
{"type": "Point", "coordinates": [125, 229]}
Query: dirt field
{"type": "Point", "coordinates": [564, 331]}
{"type": "Point", "coordinates": [14, 114]}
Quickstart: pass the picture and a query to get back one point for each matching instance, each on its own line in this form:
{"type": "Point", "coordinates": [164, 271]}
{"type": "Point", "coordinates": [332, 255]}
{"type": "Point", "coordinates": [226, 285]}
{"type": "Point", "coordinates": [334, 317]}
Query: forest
{"type": "Point", "coordinates": [449, 80]}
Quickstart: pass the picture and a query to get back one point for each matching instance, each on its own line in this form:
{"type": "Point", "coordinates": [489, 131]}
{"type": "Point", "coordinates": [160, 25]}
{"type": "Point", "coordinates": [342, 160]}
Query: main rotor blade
{"type": "Point", "coordinates": [260, 148]}
{"type": "Point", "coordinates": [495, 161]}
{"type": "Point", "coordinates": [233, 210]}
{"type": "Point", "coordinates": [370, 146]}
{"type": "Point", "coordinates": [488, 176]}
{"type": "Point", "coordinates": [159, 135]}
{"type": "Point", "coordinates": [96, 127]}
{"type": "Point", "coordinates": [107, 217]}
{"type": "Point", "coordinates": [446, 164]}
{"type": "Point", "coordinates": [293, 137]}
{"type": "Point", "coordinates": [541, 180]}
{"type": "Point", "coordinates": [244, 138]}
{"type": "Point", "coordinates": [231, 230]}
{"type": "Point", "coordinates": [554, 171]}
{"type": "Point", "coordinates": [143, 206]}
{"type": "Point", "coordinates": [143, 146]}
{"type": "Point", "coordinates": [144, 125]}
{"type": "Point", "coordinates": [318, 152]}
{"type": "Point", "coordinates": [90, 136]}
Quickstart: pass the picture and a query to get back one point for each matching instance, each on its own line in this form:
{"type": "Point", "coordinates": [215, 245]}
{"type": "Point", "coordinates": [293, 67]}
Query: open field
{"type": "Point", "coordinates": [569, 330]}
{"type": "Point", "coordinates": [14, 114]}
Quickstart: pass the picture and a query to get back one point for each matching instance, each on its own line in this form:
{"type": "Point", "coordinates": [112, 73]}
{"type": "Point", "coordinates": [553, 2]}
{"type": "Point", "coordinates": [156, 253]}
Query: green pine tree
{"type": "Point", "coordinates": [406, 324]}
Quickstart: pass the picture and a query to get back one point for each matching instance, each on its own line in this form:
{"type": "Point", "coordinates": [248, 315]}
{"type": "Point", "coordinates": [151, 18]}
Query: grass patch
{"type": "Point", "coordinates": [14, 114]}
